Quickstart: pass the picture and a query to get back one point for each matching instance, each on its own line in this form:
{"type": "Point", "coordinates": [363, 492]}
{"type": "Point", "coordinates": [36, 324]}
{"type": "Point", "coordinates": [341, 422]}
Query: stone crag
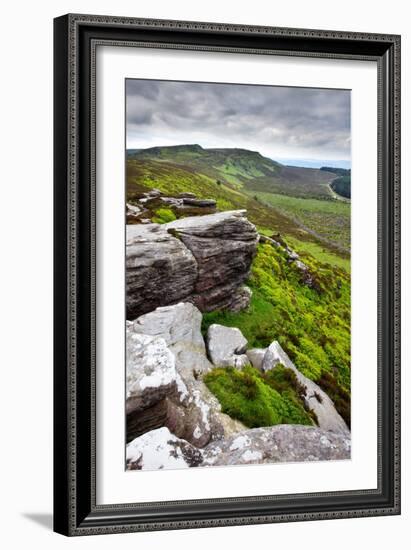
{"type": "Point", "coordinates": [204, 260]}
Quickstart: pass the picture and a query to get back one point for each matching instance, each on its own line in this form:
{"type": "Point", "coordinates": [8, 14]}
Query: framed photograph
{"type": "Point", "coordinates": [227, 279]}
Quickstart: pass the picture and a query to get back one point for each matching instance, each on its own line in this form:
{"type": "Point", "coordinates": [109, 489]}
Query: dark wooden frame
{"type": "Point", "coordinates": [75, 40]}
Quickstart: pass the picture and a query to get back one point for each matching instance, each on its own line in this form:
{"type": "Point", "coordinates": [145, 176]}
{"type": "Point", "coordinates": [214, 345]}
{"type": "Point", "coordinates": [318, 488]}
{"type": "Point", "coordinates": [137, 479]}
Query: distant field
{"type": "Point", "coordinates": [329, 219]}
{"type": "Point", "coordinates": [296, 182]}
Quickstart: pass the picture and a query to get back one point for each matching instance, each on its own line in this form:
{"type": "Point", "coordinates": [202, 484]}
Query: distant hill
{"type": "Point", "coordinates": [231, 165]}
{"type": "Point", "coordinates": [242, 168]}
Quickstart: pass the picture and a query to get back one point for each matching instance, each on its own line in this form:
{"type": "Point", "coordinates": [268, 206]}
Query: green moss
{"type": "Point", "coordinates": [163, 215]}
{"type": "Point", "coordinates": [246, 396]}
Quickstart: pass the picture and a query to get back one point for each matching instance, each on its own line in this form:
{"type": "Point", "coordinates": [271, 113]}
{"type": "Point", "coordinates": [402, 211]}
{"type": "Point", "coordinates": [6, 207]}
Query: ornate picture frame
{"type": "Point", "coordinates": [76, 40]}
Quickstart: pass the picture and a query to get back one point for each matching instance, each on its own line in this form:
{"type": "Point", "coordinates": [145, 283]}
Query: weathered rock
{"type": "Point", "coordinates": [231, 426]}
{"type": "Point", "coordinates": [151, 372]}
{"type": "Point", "coordinates": [156, 416]}
{"type": "Point", "coordinates": [152, 193]}
{"type": "Point", "coordinates": [154, 202]}
{"type": "Point", "coordinates": [159, 269]}
{"type": "Point", "coordinates": [179, 325]}
{"type": "Point", "coordinates": [223, 245]}
{"type": "Point", "coordinates": [282, 443]}
{"type": "Point", "coordinates": [306, 276]}
{"type": "Point", "coordinates": [199, 202]}
{"type": "Point", "coordinates": [192, 411]}
{"type": "Point", "coordinates": [241, 299]}
{"type": "Point", "coordinates": [131, 209]}
{"type": "Point", "coordinates": [134, 214]}
{"type": "Point", "coordinates": [159, 449]}
{"type": "Point", "coordinates": [226, 346]}
{"type": "Point", "coordinates": [186, 210]}
{"type": "Point", "coordinates": [315, 398]}
{"type": "Point", "coordinates": [186, 195]}
{"type": "Point", "coordinates": [202, 259]}
{"type": "Point", "coordinates": [256, 357]}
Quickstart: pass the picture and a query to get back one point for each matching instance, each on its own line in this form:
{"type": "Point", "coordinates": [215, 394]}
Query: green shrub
{"type": "Point", "coordinates": [248, 397]}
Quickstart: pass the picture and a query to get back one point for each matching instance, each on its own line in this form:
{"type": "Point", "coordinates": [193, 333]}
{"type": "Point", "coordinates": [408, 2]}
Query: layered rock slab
{"type": "Point", "coordinates": [159, 269]}
{"type": "Point", "coordinates": [223, 245]}
{"type": "Point", "coordinates": [201, 259]}
{"type": "Point", "coordinates": [160, 449]}
{"type": "Point", "coordinates": [282, 443]}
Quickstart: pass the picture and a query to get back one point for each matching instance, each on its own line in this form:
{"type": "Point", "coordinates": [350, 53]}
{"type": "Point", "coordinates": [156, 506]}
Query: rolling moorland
{"type": "Point", "coordinates": [299, 275]}
{"type": "Point", "coordinates": [275, 196]}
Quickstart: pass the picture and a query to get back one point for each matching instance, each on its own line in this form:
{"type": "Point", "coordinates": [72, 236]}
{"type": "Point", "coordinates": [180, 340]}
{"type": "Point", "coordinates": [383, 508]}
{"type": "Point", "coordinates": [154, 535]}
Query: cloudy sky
{"type": "Point", "coordinates": [279, 122]}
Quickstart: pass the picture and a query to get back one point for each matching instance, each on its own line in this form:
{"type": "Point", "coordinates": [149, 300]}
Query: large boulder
{"type": "Point", "coordinates": [226, 346]}
{"type": "Point", "coordinates": [223, 245]}
{"type": "Point", "coordinates": [315, 398]}
{"type": "Point", "coordinates": [282, 443]}
{"type": "Point", "coordinates": [202, 259]}
{"type": "Point", "coordinates": [159, 269]}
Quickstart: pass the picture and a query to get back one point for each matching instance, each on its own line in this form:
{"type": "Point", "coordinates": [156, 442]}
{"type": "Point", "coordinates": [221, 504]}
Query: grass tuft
{"type": "Point", "coordinates": [248, 397]}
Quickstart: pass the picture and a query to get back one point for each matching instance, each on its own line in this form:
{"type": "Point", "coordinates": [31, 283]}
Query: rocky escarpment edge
{"type": "Point", "coordinates": [204, 260]}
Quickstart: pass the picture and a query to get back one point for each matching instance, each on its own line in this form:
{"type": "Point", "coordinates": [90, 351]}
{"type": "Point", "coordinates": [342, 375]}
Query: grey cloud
{"type": "Point", "coordinates": [266, 118]}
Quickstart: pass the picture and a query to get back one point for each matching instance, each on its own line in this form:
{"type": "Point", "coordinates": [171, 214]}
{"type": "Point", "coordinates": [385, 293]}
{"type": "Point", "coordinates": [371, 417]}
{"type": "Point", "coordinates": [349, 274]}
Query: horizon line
{"type": "Point", "coordinates": [279, 159]}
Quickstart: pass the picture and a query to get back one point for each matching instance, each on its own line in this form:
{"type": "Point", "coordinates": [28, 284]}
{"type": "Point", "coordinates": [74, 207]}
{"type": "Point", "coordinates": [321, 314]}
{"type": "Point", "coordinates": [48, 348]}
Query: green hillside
{"type": "Point", "coordinates": [238, 178]}
{"type": "Point", "coordinates": [311, 324]}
